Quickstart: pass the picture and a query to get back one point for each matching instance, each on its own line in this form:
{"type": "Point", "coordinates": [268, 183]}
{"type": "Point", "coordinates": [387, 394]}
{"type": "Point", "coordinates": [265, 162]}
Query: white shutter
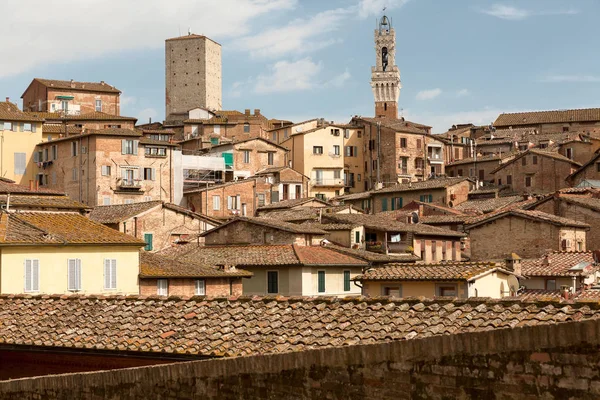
{"type": "Point", "coordinates": [78, 269]}
{"type": "Point", "coordinates": [200, 288]}
{"type": "Point", "coordinates": [72, 281]}
{"type": "Point", "coordinates": [153, 174]}
{"type": "Point", "coordinates": [229, 202]}
{"type": "Point", "coordinates": [113, 274]}
{"type": "Point", "coordinates": [28, 275]}
{"type": "Point", "coordinates": [135, 147]}
{"type": "Point", "coordinates": [33, 128]}
{"type": "Point", "coordinates": [106, 273]}
{"type": "Point", "coordinates": [238, 202]}
{"type": "Point", "coordinates": [35, 275]}
{"type": "Point", "coordinates": [123, 146]}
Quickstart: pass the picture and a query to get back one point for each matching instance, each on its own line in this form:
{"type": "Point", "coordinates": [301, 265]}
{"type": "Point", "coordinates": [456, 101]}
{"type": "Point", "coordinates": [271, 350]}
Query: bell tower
{"type": "Point", "coordinates": [385, 75]}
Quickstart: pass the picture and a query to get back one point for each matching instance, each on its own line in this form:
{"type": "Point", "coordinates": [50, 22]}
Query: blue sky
{"type": "Point", "coordinates": [460, 61]}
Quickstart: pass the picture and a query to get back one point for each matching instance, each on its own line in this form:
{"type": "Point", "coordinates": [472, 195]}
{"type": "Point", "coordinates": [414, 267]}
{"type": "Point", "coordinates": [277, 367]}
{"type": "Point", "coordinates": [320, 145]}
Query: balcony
{"type": "Point", "coordinates": [334, 155]}
{"type": "Point", "coordinates": [336, 182]}
{"type": "Point", "coordinates": [392, 247]}
{"type": "Point", "coordinates": [349, 184]}
{"type": "Point", "coordinates": [129, 185]}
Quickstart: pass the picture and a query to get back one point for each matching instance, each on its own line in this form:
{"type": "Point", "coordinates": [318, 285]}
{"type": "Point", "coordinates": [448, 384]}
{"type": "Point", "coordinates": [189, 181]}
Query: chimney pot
{"type": "Point", "coordinates": [257, 111]}
{"type": "Point", "coordinates": [102, 83]}
{"type": "Point", "coordinates": [247, 111]}
{"type": "Point", "coordinates": [8, 99]}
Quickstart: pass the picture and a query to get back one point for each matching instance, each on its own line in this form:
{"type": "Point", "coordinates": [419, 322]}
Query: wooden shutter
{"type": "Point", "coordinates": [346, 281]}
{"type": "Point", "coordinates": [148, 240]}
{"type": "Point", "coordinates": [321, 279]}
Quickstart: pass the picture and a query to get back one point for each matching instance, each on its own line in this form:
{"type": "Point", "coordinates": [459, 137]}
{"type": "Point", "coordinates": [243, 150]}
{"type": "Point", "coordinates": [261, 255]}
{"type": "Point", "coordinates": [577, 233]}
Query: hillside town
{"type": "Point", "coordinates": [220, 233]}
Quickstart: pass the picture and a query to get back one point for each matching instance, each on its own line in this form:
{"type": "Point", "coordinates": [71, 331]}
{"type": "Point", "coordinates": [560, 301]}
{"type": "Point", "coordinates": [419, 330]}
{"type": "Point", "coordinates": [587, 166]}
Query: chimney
{"type": "Point", "coordinates": [149, 120]}
{"type": "Point", "coordinates": [37, 185]}
{"type": "Point", "coordinates": [72, 83]}
{"type": "Point", "coordinates": [102, 83]}
{"type": "Point", "coordinates": [513, 263]}
{"type": "Point", "coordinates": [565, 292]}
{"type": "Point", "coordinates": [31, 184]}
{"type": "Point", "coordinates": [8, 99]}
{"type": "Point", "coordinates": [247, 111]}
{"type": "Point", "coordinates": [257, 111]}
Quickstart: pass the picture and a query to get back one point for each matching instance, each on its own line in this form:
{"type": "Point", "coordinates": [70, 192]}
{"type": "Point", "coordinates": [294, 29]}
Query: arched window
{"type": "Point", "coordinates": [384, 57]}
{"type": "Point", "coordinates": [384, 106]}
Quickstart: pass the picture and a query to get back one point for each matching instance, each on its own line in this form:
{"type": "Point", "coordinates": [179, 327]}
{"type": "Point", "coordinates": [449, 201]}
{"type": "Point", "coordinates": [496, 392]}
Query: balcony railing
{"type": "Point", "coordinates": [434, 156]}
{"type": "Point", "coordinates": [131, 184]}
{"type": "Point", "coordinates": [328, 182]}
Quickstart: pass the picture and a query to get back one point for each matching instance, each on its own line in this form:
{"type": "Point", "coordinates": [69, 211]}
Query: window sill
{"type": "Point", "coordinates": [155, 156]}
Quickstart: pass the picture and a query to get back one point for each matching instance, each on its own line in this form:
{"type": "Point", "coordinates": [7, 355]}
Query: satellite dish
{"type": "Point", "coordinates": [513, 284]}
{"type": "Point", "coordinates": [298, 129]}
{"type": "Point", "coordinates": [415, 217]}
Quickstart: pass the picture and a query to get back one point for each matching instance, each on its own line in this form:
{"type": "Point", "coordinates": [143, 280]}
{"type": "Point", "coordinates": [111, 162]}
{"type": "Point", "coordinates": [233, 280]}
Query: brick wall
{"type": "Point", "coordinates": [187, 286]}
{"type": "Point", "coordinates": [547, 361]}
{"type": "Point", "coordinates": [241, 232]}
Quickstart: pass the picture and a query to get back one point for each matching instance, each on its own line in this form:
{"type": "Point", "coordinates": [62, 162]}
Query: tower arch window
{"type": "Point", "coordinates": [384, 106]}
{"type": "Point", "coordinates": [384, 58]}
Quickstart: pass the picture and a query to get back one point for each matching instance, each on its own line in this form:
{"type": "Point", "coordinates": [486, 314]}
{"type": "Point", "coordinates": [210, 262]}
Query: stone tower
{"type": "Point", "coordinates": [193, 75]}
{"type": "Point", "coordinates": [385, 75]}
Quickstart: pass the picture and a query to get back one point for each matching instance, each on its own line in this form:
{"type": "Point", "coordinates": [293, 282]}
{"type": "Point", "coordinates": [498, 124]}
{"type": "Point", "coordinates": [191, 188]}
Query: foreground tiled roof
{"type": "Point", "coordinates": [42, 202]}
{"type": "Point", "coordinates": [384, 223]}
{"type": "Point", "coordinates": [79, 86]}
{"type": "Point", "coordinates": [290, 203]}
{"type": "Point", "coordinates": [63, 228]}
{"type": "Point", "coordinates": [560, 263]}
{"type": "Point", "coordinates": [538, 295]}
{"type": "Point", "coordinates": [530, 214]}
{"type": "Point", "coordinates": [548, 117]}
{"type": "Point", "coordinates": [428, 272]}
{"type": "Point", "coordinates": [243, 326]}
{"type": "Point", "coordinates": [158, 266]}
{"type": "Point", "coordinates": [437, 183]}
{"type": "Point", "coordinates": [120, 212]}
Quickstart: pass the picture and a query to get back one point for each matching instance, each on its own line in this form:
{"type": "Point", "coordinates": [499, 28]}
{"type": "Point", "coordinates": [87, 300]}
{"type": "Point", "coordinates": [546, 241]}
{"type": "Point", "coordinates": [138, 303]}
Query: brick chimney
{"type": "Point", "coordinates": [72, 83]}
{"type": "Point", "coordinates": [247, 111]}
{"type": "Point", "coordinates": [513, 263]}
{"type": "Point", "coordinates": [8, 99]}
{"type": "Point", "coordinates": [257, 111]}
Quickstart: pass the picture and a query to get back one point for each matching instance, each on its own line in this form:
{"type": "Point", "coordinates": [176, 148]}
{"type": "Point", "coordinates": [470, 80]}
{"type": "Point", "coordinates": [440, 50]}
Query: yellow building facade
{"type": "Point", "coordinates": [19, 134]}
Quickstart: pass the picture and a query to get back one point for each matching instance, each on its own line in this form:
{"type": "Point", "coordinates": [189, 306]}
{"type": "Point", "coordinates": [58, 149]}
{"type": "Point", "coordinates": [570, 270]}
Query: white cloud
{"type": "Point", "coordinates": [514, 14]}
{"type": "Point", "coordinates": [78, 30]}
{"type": "Point", "coordinates": [339, 80]}
{"type": "Point", "coordinates": [144, 115]}
{"type": "Point", "coordinates": [442, 122]}
{"type": "Point", "coordinates": [288, 76]}
{"type": "Point", "coordinates": [367, 8]}
{"type": "Point", "coordinates": [127, 100]}
{"type": "Point", "coordinates": [571, 79]}
{"type": "Point", "coordinates": [463, 92]}
{"type": "Point", "coordinates": [299, 36]}
{"type": "Point", "coordinates": [429, 94]}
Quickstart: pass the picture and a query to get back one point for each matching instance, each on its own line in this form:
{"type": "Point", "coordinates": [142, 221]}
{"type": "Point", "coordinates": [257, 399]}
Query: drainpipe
{"type": "Point", "coordinates": [378, 151]}
{"type": "Point", "coordinates": [135, 227]}
{"type": "Point", "coordinates": [79, 174]}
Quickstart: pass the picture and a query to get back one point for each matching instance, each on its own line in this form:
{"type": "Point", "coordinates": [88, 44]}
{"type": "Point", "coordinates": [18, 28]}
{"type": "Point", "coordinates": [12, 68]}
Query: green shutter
{"type": "Point", "coordinates": [321, 276]}
{"type": "Point", "coordinates": [272, 284]}
{"type": "Point", "coordinates": [214, 140]}
{"type": "Point", "coordinates": [148, 240]}
{"type": "Point", "coordinates": [421, 197]}
{"type": "Point", "coordinates": [346, 281]}
{"type": "Point", "coordinates": [393, 203]}
{"type": "Point", "coordinates": [228, 159]}
{"type": "Point", "coordinates": [431, 198]}
{"type": "Point", "coordinates": [383, 204]}
{"type": "Point", "coordinates": [399, 202]}
{"type": "Point", "coordinates": [357, 237]}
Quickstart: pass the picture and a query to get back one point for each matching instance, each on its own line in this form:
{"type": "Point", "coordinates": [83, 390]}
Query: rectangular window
{"type": "Point", "coordinates": [321, 281]}
{"type": "Point", "coordinates": [317, 149]}
{"type": "Point", "coordinates": [106, 201]}
{"type": "Point", "coordinates": [509, 179]}
{"type": "Point", "coordinates": [261, 199]}
{"type": "Point", "coordinates": [270, 158]}
{"type": "Point", "coordinates": [200, 287]}
{"type": "Point", "coordinates": [147, 198]}
{"type": "Point", "coordinates": [73, 149]}
{"type": "Point", "coordinates": [233, 202]}
{"type": "Point", "coordinates": [357, 237]}
{"type": "Point", "coordinates": [162, 287]}
{"type": "Point", "coordinates": [433, 251]}
{"type": "Point", "coordinates": [418, 143]}
{"type": "Point", "coordinates": [106, 170]}
{"type": "Point", "coordinates": [274, 137]}
{"type": "Point", "coordinates": [246, 128]}
{"type": "Point", "coordinates": [426, 198]}
{"type": "Point", "coordinates": [148, 240]}
{"type": "Point", "coordinates": [384, 204]}
{"type": "Point", "coordinates": [32, 275]}
{"type": "Point", "coordinates": [20, 163]}
{"type": "Point", "coordinates": [149, 174]}
{"type": "Point", "coordinates": [528, 181]}
{"type": "Point", "coordinates": [98, 105]}
{"type": "Point", "coordinates": [444, 250]}
{"type": "Point", "coordinates": [403, 143]}
{"type": "Point", "coordinates": [337, 174]}
{"type": "Point", "coordinates": [74, 174]}
{"type": "Point", "coordinates": [395, 291]}
{"type": "Point", "coordinates": [27, 127]}
{"type": "Point", "coordinates": [534, 160]}
{"type": "Point", "coordinates": [214, 140]}
{"type": "Point", "coordinates": [8, 126]}
{"type": "Point", "coordinates": [216, 203]}
{"type": "Point", "coordinates": [272, 282]}
{"type": "Point", "coordinates": [110, 273]}
{"type": "Point", "coordinates": [246, 156]}
{"type": "Point", "coordinates": [570, 153]}
{"type": "Point", "coordinates": [359, 134]}
{"type": "Point", "coordinates": [129, 146]}
{"type": "Point", "coordinates": [336, 150]}
{"type": "Point", "coordinates": [128, 201]}
{"type": "Point", "coordinates": [346, 281]}
{"type": "Point", "coordinates": [447, 290]}
{"type": "Point", "coordinates": [54, 152]}
{"type": "Point", "coordinates": [423, 250]}
{"type": "Point", "coordinates": [550, 284]}
{"type": "Point", "coordinates": [346, 133]}
{"type": "Point", "coordinates": [74, 274]}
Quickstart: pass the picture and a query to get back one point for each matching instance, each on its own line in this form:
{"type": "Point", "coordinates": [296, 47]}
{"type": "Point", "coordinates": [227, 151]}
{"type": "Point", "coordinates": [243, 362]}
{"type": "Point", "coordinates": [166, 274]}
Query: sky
{"type": "Point", "coordinates": [460, 61]}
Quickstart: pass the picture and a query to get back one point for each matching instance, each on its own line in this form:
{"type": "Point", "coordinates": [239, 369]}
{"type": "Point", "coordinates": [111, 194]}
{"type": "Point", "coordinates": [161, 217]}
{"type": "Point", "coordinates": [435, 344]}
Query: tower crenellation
{"type": "Point", "coordinates": [385, 75]}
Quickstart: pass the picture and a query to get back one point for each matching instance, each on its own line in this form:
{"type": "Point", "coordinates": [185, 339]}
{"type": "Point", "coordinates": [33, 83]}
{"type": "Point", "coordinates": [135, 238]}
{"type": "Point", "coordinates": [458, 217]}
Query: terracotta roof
{"type": "Point", "coordinates": [271, 223]}
{"type": "Point", "coordinates": [39, 228]}
{"type": "Point", "coordinates": [538, 152]}
{"type": "Point", "coordinates": [556, 295]}
{"type": "Point", "coordinates": [587, 202]}
{"type": "Point", "coordinates": [42, 202]}
{"type": "Point", "coordinates": [8, 186]}
{"type": "Point", "coordinates": [158, 266]}
{"type": "Point", "coordinates": [208, 150]}
{"type": "Point", "coordinates": [291, 203]}
{"type": "Point", "coordinates": [398, 124]}
{"type": "Point", "coordinates": [560, 263]}
{"type": "Point", "coordinates": [301, 214]}
{"type": "Point", "coordinates": [156, 131]}
{"type": "Point", "coordinates": [414, 205]}
{"type": "Point", "coordinates": [463, 271]}
{"type": "Point", "coordinates": [313, 255]}
{"type": "Point", "coordinates": [147, 141]}
{"type": "Point", "coordinates": [529, 214]}
{"type": "Point", "coordinates": [60, 128]}
{"type": "Point", "coordinates": [258, 255]}
{"type": "Point", "coordinates": [437, 183]}
{"type": "Point", "coordinates": [10, 112]}
{"type": "Point", "coordinates": [117, 132]}
{"type": "Point", "coordinates": [592, 161]}
{"type": "Point", "coordinates": [548, 117]}
{"type": "Point", "coordinates": [190, 213]}
{"type": "Point", "coordinates": [329, 227]}
{"type": "Point", "coordinates": [488, 205]}
{"type": "Point", "coordinates": [444, 219]}
{"type": "Point", "coordinates": [353, 196]}
{"type": "Point", "coordinates": [373, 257]}
{"type": "Point", "coordinates": [121, 212]}
{"type": "Point", "coordinates": [92, 116]}
{"type": "Point", "coordinates": [382, 223]}
{"type": "Point", "coordinates": [78, 86]}
{"type": "Point", "coordinates": [244, 326]}
{"type": "Point", "coordinates": [471, 160]}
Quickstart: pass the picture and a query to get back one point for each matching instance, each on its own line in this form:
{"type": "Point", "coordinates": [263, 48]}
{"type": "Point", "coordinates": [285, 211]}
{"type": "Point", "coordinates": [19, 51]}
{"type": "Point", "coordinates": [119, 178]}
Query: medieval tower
{"type": "Point", "coordinates": [385, 75]}
{"type": "Point", "coordinates": [193, 75]}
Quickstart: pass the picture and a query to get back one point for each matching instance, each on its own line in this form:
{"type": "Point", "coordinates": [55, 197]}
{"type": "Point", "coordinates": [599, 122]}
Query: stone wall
{"type": "Point", "coordinates": [187, 286]}
{"type": "Point", "coordinates": [546, 361]}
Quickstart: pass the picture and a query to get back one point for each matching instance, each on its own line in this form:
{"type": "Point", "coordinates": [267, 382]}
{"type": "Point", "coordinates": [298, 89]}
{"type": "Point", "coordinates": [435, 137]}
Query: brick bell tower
{"type": "Point", "coordinates": [385, 75]}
